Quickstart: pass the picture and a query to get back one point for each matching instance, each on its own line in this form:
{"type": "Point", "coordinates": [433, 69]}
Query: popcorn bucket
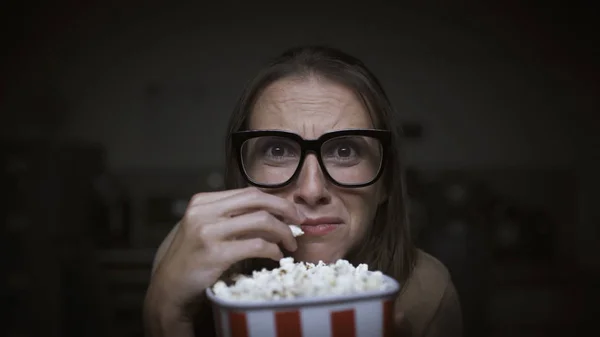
{"type": "Point", "coordinates": [366, 314]}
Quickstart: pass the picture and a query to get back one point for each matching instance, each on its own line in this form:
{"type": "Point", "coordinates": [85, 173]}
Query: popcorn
{"type": "Point", "coordinates": [296, 280]}
{"type": "Point", "coordinates": [296, 231]}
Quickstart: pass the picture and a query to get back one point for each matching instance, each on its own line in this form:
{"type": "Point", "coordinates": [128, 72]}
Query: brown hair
{"type": "Point", "coordinates": [387, 244]}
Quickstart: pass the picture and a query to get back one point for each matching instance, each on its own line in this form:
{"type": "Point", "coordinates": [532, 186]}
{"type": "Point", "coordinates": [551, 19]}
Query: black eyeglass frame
{"type": "Point", "coordinates": [311, 145]}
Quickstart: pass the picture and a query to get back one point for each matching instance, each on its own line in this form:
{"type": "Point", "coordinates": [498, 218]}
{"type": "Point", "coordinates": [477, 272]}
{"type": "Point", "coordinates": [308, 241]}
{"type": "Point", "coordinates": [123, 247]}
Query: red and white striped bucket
{"type": "Point", "coordinates": [359, 315]}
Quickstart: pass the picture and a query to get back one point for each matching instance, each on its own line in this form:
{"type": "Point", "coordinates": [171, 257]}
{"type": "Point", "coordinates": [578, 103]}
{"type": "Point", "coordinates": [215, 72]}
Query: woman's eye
{"type": "Point", "coordinates": [277, 151]}
{"type": "Point", "coordinates": [344, 151]}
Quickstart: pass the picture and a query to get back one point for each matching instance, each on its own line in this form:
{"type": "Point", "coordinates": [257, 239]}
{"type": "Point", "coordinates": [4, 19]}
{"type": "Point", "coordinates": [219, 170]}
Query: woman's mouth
{"type": "Point", "coordinates": [320, 226]}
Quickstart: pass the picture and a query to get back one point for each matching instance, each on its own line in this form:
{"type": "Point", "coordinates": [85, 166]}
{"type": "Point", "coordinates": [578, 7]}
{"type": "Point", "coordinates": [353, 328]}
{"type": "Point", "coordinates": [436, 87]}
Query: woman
{"type": "Point", "coordinates": [315, 137]}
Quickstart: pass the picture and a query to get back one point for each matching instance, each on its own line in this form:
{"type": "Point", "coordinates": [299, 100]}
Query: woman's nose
{"type": "Point", "coordinates": [311, 185]}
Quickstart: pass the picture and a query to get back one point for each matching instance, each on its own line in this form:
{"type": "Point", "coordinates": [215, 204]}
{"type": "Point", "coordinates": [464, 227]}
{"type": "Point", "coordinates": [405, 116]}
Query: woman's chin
{"type": "Point", "coordinates": [306, 254]}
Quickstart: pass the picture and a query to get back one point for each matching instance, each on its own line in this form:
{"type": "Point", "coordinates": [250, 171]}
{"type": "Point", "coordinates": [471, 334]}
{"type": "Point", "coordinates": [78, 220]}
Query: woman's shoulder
{"type": "Point", "coordinates": [427, 290]}
{"type": "Point", "coordinates": [429, 272]}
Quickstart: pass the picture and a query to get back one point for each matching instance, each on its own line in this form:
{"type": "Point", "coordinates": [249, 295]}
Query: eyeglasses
{"type": "Point", "coordinates": [348, 158]}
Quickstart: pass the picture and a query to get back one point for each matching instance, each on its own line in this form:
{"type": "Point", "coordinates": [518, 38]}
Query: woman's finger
{"type": "Point", "coordinates": [231, 252]}
{"type": "Point", "coordinates": [208, 197]}
{"type": "Point", "coordinates": [256, 224]}
{"type": "Point", "coordinates": [253, 199]}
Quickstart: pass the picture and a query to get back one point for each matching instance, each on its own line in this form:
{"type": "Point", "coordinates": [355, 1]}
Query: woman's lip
{"type": "Point", "coordinates": [322, 221]}
{"type": "Point", "coordinates": [320, 229]}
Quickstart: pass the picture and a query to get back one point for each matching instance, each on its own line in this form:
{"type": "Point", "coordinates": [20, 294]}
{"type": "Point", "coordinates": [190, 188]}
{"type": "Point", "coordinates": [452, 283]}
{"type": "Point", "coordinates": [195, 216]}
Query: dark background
{"type": "Point", "coordinates": [114, 113]}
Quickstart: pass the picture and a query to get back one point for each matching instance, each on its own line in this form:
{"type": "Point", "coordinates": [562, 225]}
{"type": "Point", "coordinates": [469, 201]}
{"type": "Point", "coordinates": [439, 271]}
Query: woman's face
{"type": "Point", "coordinates": [310, 107]}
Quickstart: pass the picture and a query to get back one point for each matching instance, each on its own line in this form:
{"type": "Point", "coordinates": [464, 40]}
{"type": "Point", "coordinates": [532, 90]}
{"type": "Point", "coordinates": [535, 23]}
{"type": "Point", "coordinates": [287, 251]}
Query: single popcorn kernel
{"type": "Point", "coordinates": [296, 231]}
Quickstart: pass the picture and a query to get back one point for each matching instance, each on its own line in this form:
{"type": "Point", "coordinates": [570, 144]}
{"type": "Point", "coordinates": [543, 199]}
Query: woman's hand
{"type": "Point", "coordinates": [217, 230]}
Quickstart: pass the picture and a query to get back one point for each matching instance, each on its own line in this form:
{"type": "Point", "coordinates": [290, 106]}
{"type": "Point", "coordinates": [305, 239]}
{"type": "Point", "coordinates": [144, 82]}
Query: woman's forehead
{"type": "Point", "coordinates": [308, 106]}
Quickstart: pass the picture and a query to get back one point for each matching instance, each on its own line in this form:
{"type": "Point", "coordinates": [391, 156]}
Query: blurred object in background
{"type": "Point", "coordinates": [111, 223]}
{"type": "Point", "coordinates": [522, 232]}
{"type": "Point", "coordinates": [53, 287]}
{"type": "Point", "coordinates": [456, 235]}
{"type": "Point", "coordinates": [497, 231]}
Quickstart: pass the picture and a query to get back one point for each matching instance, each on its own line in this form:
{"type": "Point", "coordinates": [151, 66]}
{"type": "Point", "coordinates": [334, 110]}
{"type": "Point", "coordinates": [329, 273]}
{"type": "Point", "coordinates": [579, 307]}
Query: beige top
{"type": "Point", "coordinates": [428, 305]}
